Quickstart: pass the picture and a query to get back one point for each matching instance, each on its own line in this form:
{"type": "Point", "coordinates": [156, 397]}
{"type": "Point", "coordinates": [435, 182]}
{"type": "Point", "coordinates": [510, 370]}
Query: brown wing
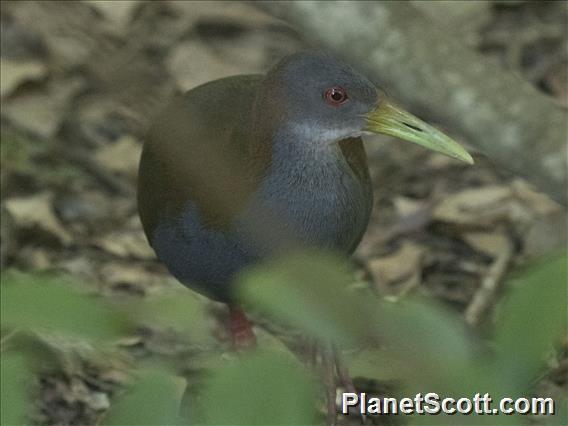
{"type": "Point", "coordinates": [197, 151]}
{"type": "Point", "coordinates": [354, 153]}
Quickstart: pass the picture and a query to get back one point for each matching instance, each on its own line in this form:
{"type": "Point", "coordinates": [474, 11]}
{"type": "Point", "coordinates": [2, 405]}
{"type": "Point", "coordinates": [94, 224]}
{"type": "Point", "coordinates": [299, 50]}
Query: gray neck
{"type": "Point", "coordinates": [305, 161]}
{"type": "Point", "coordinates": [310, 186]}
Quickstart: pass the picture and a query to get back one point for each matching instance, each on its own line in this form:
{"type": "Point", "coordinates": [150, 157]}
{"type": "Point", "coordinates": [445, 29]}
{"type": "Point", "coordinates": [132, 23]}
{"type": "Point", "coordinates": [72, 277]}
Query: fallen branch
{"type": "Point", "coordinates": [486, 294]}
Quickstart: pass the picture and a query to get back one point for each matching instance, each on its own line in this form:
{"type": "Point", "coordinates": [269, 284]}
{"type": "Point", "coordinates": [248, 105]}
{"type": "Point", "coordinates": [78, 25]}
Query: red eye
{"type": "Point", "coordinates": [335, 96]}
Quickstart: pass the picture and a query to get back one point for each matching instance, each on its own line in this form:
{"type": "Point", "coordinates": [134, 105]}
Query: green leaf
{"type": "Point", "coordinates": [533, 319]}
{"type": "Point", "coordinates": [261, 388]}
{"type": "Point", "coordinates": [308, 291]}
{"type": "Point", "coordinates": [47, 303]}
{"type": "Point", "coordinates": [425, 335]}
{"type": "Point", "coordinates": [184, 311]}
{"type": "Point", "coordinates": [152, 400]}
{"type": "Point", "coordinates": [16, 377]}
{"type": "Point", "coordinates": [374, 364]}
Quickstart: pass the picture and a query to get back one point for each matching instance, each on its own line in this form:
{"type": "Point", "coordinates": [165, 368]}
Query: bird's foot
{"type": "Point", "coordinates": [328, 368]}
{"type": "Point", "coordinates": [336, 376]}
{"type": "Point", "coordinates": [240, 327]}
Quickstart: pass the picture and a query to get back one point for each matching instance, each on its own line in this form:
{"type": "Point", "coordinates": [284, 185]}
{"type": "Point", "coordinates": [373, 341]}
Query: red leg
{"type": "Point", "coordinates": [242, 334]}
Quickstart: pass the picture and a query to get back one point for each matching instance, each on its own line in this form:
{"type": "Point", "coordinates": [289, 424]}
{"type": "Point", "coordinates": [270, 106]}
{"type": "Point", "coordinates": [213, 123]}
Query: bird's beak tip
{"type": "Point", "coordinates": [389, 119]}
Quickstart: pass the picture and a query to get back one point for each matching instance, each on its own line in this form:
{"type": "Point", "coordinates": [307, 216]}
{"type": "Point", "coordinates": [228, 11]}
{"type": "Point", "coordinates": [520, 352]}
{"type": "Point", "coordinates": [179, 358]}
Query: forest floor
{"type": "Point", "coordinates": [79, 81]}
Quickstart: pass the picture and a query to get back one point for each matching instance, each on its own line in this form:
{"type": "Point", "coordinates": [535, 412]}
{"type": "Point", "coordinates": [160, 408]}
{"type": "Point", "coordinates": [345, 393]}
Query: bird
{"type": "Point", "coordinates": [242, 168]}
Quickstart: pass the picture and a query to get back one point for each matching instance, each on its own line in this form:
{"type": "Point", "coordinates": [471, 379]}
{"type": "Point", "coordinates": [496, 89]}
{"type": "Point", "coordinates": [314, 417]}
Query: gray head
{"type": "Point", "coordinates": [317, 96]}
{"type": "Point", "coordinates": [319, 100]}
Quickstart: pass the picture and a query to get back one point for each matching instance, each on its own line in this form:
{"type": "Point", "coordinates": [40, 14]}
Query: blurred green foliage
{"type": "Point", "coordinates": [534, 315]}
{"type": "Point", "coordinates": [49, 303]}
{"type": "Point", "coordinates": [415, 343]}
{"type": "Point", "coordinates": [183, 311]}
{"type": "Point", "coordinates": [427, 348]}
{"type": "Point", "coordinates": [259, 388]}
{"type": "Point", "coordinates": [151, 400]}
{"type": "Point", "coordinates": [15, 377]}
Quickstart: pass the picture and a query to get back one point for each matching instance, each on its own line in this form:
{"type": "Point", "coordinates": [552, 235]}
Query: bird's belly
{"type": "Point", "coordinates": [200, 257]}
{"type": "Point", "coordinates": [326, 213]}
{"type": "Point", "coordinates": [332, 215]}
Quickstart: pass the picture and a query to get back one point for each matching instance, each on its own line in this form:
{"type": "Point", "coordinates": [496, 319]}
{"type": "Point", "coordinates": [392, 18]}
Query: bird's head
{"type": "Point", "coordinates": [324, 100]}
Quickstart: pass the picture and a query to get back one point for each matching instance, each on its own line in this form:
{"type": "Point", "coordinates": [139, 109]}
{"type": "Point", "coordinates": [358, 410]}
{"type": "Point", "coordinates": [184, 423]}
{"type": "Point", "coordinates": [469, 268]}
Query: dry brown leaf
{"type": "Point", "coordinates": [223, 12]}
{"type": "Point", "coordinates": [546, 234]}
{"type": "Point", "coordinates": [115, 375]}
{"type": "Point", "coordinates": [490, 243]}
{"type": "Point", "coordinates": [131, 278]}
{"type": "Point", "coordinates": [41, 110]}
{"type": "Point", "coordinates": [400, 265]}
{"type": "Point", "coordinates": [14, 73]}
{"type": "Point", "coordinates": [185, 64]}
{"type": "Point", "coordinates": [126, 244]}
{"type": "Point", "coordinates": [79, 391]}
{"type": "Point", "coordinates": [117, 12]}
{"type": "Point", "coordinates": [86, 206]}
{"type": "Point", "coordinates": [488, 206]}
{"type": "Point", "coordinates": [437, 161]}
{"type": "Point", "coordinates": [119, 273]}
{"type": "Point", "coordinates": [120, 157]}
{"type": "Point", "coordinates": [81, 266]}
{"type": "Point", "coordinates": [405, 206]}
{"type": "Point", "coordinates": [37, 211]}
{"type": "Point", "coordinates": [479, 206]}
{"type": "Point", "coordinates": [98, 401]}
{"type": "Point", "coordinates": [35, 113]}
{"type": "Point", "coordinates": [538, 202]}
{"type": "Point", "coordinates": [34, 258]}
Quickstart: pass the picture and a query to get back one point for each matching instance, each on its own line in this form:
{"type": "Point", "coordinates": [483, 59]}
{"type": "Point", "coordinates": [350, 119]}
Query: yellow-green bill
{"type": "Point", "coordinates": [390, 120]}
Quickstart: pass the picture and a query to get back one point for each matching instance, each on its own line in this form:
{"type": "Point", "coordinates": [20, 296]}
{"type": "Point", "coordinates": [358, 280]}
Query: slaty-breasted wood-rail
{"type": "Point", "coordinates": [240, 168]}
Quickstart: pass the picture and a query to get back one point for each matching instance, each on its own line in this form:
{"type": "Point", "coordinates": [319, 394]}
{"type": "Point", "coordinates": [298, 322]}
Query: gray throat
{"type": "Point", "coordinates": [314, 195]}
